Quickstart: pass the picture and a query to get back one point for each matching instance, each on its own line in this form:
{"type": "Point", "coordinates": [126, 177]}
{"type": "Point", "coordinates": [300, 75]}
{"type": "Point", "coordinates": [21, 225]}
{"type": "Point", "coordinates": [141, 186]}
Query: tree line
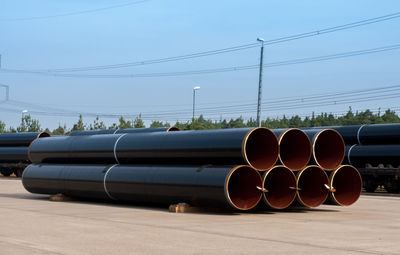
{"type": "Point", "coordinates": [28, 124]}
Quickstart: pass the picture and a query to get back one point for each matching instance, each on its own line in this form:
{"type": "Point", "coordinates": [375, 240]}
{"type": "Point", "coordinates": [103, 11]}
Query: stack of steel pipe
{"type": "Point", "coordinates": [233, 168]}
{"type": "Point", "coordinates": [206, 168]}
{"type": "Point", "coordinates": [315, 158]}
{"type": "Point", "coordinates": [14, 151]}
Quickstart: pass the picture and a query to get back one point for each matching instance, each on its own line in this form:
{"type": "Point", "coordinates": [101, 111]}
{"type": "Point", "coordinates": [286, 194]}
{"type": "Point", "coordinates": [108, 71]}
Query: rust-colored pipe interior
{"type": "Point", "coordinates": [242, 188]}
{"type": "Point", "coordinates": [173, 129]}
{"type": "Point", "coordinates": [280, 184]}
{"type": "Point", "coordinates": [43, 134]}
{"type": "Point", "coordinates": [294, 149]}
{"type": "Point", "coordinates": [329, 149]}
{"type": "Point", "coordinates": [261, 148]}
{"type": "Point", "coordinates": [348, 184]}
{"type": "Point", "coordinates": [311, 184]}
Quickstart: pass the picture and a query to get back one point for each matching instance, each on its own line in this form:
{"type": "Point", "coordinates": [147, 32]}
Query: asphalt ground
{"type": "Point", "coordinates": [32, 224]}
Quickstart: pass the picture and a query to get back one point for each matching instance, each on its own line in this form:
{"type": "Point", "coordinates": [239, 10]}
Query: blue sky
{"type": "Point", "coordinates": [156, 29]}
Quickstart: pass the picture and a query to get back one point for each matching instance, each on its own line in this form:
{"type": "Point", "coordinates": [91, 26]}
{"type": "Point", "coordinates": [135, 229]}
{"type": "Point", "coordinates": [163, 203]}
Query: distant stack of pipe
{"type": "Point", "coordinates": [372, 144]}
{"type": "Point", "coordinates": [14, 151]}
{"type": "Point", "coordinates": [315, 157]}
{"type": "Point", "coordinates": [233, 168]}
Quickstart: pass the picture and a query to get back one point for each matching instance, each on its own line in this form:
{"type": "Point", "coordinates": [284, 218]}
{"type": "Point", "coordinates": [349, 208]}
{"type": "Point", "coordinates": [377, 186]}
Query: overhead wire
{"type": "Point", "coordinates": [228, 49]}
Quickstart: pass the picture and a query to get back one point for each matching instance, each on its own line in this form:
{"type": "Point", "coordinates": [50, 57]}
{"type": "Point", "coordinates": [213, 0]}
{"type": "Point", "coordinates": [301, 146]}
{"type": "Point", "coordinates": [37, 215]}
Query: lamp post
{"type": "Point", "coordinates": [260, 82]}
{"type": "Point", "coordinates": [194, 100]}
{"type": "Point", "coordinates": [23, 113]}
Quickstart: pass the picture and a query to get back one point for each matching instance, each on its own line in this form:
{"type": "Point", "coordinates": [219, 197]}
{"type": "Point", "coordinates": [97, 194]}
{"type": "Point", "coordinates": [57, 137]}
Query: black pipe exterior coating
{"type": "Point", "coordinates": [20, 139]}
{"type": "Point", "coordinates": [257, 147]}
{"type": "Point", "coordinates": [222, 186]}
{"type": "Point", "coordinates": [346, 184]}
{"type": "Point", "coordinates": [123, 131]}
{"type": "Point", "coordinates": [14, 154]}
{"type": "Point", "coordinates": [279, 186]}
{"type": "Point", "coordinates": [360, 155]}
{"type": "Point", "coordinates": [328, 148]}
{"type": "Point", "coordinates": [294, 148]}
{"type": "Point", "coordinates": [312, 186]}
{"type": "Point", "coordinates": [96, 149]}
{"type": "Point", "coordinates": [370, 134]}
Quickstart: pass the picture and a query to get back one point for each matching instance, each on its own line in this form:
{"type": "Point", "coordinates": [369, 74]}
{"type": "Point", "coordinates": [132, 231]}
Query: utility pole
{"type": "Point", "coordinates": [194, 101]}
{"type": "Point", "coordinates": [260, 82]}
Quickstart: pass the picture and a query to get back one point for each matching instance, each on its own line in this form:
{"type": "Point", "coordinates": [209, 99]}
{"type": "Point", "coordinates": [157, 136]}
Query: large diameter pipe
{"type": "Point", "coordinates": [279, 187]}
{"type": "Point", "coordinates": [346, 184]}
{"type": "Point", "coordinates": [312, 186]}
{"type": "Point", "coordinates": [294, 148]}
{"type": "Point", "coordinates": [360, 155]}
{"type": "Point", "coordinates": [257, 147]}
{"type": "Point", "coordinates": [20, 139]}
{"type": "Point", "coordinates": [368, 134]}
{"type": "Point", "coordinates": [328, 148]}
{"type": "Point", "coordinates": [13, 154]}
{"type": "Point", "coordinates": [98, 149]}
{"type": "Point", "coordinates": [221, 186]}
{"type": "Point", "coordinates": [123, 131]}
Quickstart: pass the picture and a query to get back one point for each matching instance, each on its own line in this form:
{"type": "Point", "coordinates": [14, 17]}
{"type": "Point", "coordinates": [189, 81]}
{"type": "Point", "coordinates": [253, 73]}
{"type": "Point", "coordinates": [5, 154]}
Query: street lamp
{"type": "Point", "coordinates": [260, 82]}
{"type": "Point", "coordinates": [23, 112]}
{"type": "Point", "coordinates": [194, 100]}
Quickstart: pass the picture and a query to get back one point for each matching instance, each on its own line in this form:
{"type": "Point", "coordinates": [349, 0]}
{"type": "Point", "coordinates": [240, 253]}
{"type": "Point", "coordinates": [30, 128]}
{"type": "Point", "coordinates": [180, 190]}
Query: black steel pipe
{"type": "Point", "coordinates": [13, 154]}
{"type": "Point", "coordinates": [222, 186]}
{"type": "Point", "coordinates": [97, 149]}
{"type": "Point", "coordinates": [294, 148]}
{"type": "Point", "coordinates": [360, 155]}
{"type": "Point", "coordinates": [279, 186]}
{"type": "Point", "coordinates": [312, 186]}
{"type": "Point", "coordinates": [20, 139]}
{"type": "Point", "coordinates": [346, 184]}
{"type": "Point", "coordinates": [328, 148]}
{"type": "Point", "coordinates": [257, 147]}
{"type": "Point", "coordinates": [123, 131]}
{"type": "Point", "coordinates": [368, 134]}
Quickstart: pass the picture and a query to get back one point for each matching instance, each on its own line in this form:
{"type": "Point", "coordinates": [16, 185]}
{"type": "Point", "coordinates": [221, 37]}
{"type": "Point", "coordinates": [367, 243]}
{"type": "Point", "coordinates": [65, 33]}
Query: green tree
{"type": "Point", "coordinates": [79, 125]}
{"type": "Point", "coordinates": [156, 124]}
{"type": "Point", "coordinates": [97, 124]}
{"type": "Point", "coordinates": [138, 122]}
{"type": "Point", "coordinates": [124, 124]}
{"type": "Point", "coordinates": [61, 130]}
{"type": "Point", "coordinates": [28, 124]}
{"type": "Point", "coordinates": [2, 127]}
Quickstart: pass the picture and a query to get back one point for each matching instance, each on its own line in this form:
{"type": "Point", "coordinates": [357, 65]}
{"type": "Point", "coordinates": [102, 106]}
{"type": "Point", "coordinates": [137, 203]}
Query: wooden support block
{"type": "Point", "coordinates": [186, 208]}
{"type": "Point", "coordinates": [60, 198]}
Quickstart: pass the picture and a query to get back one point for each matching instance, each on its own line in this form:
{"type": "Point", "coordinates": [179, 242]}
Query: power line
{"type": "Point", "coordinates": [338, 98]}
{"type": "Point", "coordinates": [216, 70]}
{"type": "Point", "coordinates": [76, 13]}
{"type": "Point", "coordinates": [229, 49]}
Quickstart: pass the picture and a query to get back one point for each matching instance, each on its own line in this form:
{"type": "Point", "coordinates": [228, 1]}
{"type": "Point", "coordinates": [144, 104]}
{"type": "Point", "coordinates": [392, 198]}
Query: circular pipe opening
{"type": "Point", "coordinates": [260, 148]}
{"type": "Point", "coordinates": [294, 149]}
{"type": "Point", "coordinates": [43, 134]}
{"type": "Point", "coordinates": [348, 185]}
{"type": "Point", "coordinates": [311, 182]}
{"type": "Point", "coordinates": [280, 184]}
{"type": "Point", "coordinates": [172, 129]}
{"type": "Point", "coordinates": [328, 149]}
{"type": "Point", "coordinates": [241, 188]}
